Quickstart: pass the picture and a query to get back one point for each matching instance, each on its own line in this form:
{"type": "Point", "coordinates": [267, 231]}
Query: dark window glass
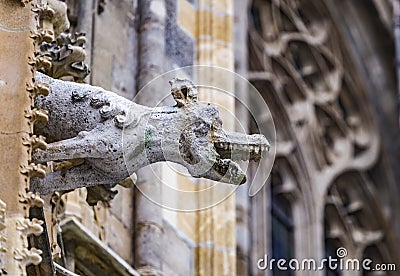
{"type": "Point", "coordinates": [282, 232]}
{"type": "Point", "coordinates": [331, 247]}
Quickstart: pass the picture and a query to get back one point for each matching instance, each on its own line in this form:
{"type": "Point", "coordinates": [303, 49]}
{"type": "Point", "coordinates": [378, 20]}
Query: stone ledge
{"type": "Point", "coordinates": [99, 256]}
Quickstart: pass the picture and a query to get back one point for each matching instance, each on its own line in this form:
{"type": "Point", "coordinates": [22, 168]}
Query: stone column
{"type": "Point", "coordinates": [242, 198]}
{"type": "Point", "coordinates": [148, 215]}
{"type": "Point", "coordinates": [396, 23]}
{"type": "Point", "coordinates": [17, 65]}
{"type": "Point", "coordinates": [216, 244]}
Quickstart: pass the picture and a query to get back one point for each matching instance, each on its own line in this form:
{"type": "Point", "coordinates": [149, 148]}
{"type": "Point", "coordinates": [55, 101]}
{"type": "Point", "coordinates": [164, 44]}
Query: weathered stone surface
{"type": "Point", "coordinates": [115, 60]}
{"type": "Point", "coordinates": [186, 17]}
{"type": "Point", "coordinates": [119, 238]}
{"type": "Point", "coordinates": [20, 19]}
{"type": "Point", "coordinates": [87, 123]}
{"type": "Point", "coordinates": [15, 47]}
{"type": "Point", "coordinates": [175, 242]}
{"type": "Point", "coordinates": [179, 45]}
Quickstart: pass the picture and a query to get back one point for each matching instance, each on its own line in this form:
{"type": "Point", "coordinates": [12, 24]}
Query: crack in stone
{"type": "Point", "coordinates": [12, 133]}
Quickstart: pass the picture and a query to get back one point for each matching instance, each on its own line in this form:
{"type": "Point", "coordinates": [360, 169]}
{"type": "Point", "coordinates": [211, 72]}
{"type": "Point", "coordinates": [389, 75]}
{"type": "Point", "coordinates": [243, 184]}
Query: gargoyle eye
{"type": "Point", "coordinates": [184, 91]}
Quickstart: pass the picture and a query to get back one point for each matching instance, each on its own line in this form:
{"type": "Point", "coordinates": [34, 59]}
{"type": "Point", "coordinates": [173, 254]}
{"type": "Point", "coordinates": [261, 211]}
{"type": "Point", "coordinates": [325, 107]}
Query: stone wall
{"type": "Point", "coordinates": [17, 117]}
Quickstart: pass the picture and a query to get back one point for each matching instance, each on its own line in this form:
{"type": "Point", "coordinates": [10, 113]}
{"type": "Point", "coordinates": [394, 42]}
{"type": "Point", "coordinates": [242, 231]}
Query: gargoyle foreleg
{"type": "Point", "coordinates": [76, 177]}
{"type": "Point", "coordinates": [85, 145]}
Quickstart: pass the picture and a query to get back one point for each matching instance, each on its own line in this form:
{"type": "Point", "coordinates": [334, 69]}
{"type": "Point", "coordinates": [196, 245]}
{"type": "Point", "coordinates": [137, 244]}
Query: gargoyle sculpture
{"type": "Point", "coordinates": [101, 137]}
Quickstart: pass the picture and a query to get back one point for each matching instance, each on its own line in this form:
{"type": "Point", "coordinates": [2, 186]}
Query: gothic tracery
{"type": "Point", "coordinates": [297, 57]}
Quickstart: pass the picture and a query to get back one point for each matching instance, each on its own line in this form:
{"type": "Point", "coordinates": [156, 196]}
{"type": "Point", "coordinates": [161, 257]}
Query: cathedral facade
{"type": "Point", "coordinates": [326, 70]}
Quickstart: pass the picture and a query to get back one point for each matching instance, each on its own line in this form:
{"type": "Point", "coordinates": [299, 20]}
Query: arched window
{"type": "Point", "coordinates": [331, 247]}
{"type": "Point", "coordinates": [372, 253]}
{"type": "Point", "coordinates": [282, 229]}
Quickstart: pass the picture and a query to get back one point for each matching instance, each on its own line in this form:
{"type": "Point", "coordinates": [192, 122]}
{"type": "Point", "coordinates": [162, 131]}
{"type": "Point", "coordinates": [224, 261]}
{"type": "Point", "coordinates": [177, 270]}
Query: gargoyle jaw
{"type": "Point", "coordinates": [235, 146]}
{"type": "Point", "coordinates": [227, 171]}
{"type": "Point", "coordinates": [238, 146]}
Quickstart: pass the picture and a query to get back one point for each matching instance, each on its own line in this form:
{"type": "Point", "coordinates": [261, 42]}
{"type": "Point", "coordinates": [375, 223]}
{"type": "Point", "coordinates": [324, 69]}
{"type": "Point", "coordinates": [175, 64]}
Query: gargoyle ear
{"type": "Point", "coordinates": [183, 91]}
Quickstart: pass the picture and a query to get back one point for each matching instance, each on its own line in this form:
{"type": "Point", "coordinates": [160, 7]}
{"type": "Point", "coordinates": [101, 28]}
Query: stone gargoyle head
{"type": "Point", "coordinates": [191, 134]}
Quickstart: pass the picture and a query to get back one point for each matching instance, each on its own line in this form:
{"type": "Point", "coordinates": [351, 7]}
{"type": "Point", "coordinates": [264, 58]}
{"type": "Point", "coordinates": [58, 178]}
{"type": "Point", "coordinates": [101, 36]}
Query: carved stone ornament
{"type": "Point", "coordinates": [34, 170]}
{"type": "Point", "coordinates": [54, 12]}
{"type": "Point", "coordinates": [42, 36]}
{"type": "Point", "coordinates": [31, 199]}
{"type": "Point", "coordinates": [68, 55]}
{"type": "Point", "coordinates": [27, 257]}
{"type": "Point", "coordinates": [3, 239]}
{"type": "Point", "coordinates": [44, 11]}
{"type": "Point", "coordinates": [34, 142]}
{"type": "Point", "coordinates": [30, 227]}
{"type": "Point", "coordinates": [38, 89]}
{"type": "Point", "coordinates": [87, 122]}
{"type": "Point", "coordinates": [25, 2]}
{"type": "Point", "coordinates": [40, 62]}
{"type": "Point", "coordinates": [37, 115]}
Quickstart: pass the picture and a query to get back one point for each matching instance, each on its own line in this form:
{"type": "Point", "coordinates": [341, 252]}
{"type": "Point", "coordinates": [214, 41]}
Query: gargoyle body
{"type": "Point", "coordinates": [103, 137]}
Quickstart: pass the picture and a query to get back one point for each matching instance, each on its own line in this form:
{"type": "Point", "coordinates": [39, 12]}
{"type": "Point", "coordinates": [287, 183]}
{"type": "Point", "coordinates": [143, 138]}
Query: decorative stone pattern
{"type": "Point", "coordinates": [26, 257]}
{"type": "Point", "coordinates": [17, 24]}
{"type": "Point", "coordinates": [30, 227]}
{"type": "Point", "coordinates": [35, 142]}
{"type": "Point", "coordinates": [25, 2]}
{"type": "Point", "coordinates": [3, 238]}
{"type": "Point", "coordinates": [33, 170]}
{"type": "Point", "coordinates": [351, 204]}
{"type": "Point", "coordinates": [29, 200]}
{"type": "Point", "coordinates": [67, 56]}
{"type": "Point", "coordinates": [299, 61]}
